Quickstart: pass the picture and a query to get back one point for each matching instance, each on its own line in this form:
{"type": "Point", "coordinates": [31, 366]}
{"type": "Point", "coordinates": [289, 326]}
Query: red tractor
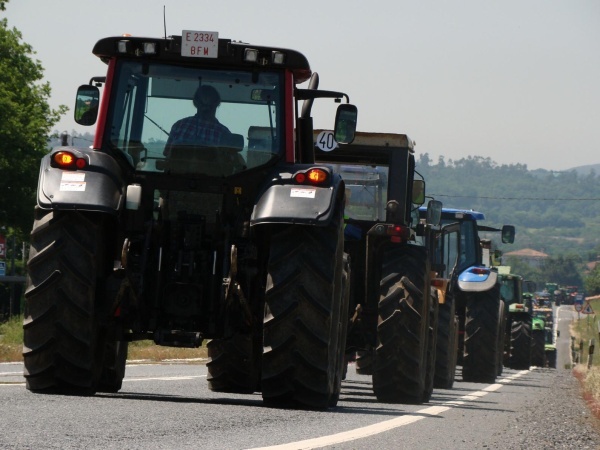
{"type": "Point", "coordinates": [162, 231]}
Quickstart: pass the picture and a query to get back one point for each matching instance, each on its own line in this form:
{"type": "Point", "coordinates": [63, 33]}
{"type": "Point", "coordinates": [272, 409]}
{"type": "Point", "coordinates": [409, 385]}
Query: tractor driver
{"type": "Point", "coordinates": [203, 128]}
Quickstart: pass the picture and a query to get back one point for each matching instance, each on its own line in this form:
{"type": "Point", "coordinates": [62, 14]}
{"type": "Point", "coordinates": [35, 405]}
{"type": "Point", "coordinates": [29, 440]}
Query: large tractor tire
{"type": "Point", "coordinates": [365, 360]}
{"type": "Point", "coordinates": [233, 364]}
{"type": "Point", "coordinates": [482, 342]}
{"type": "Point", "coordinates": [551, 358]}
{"type": "Point", "coordinates": [400, 370]}
{"type": "Point", "coordinates": [501, 338]}
{"type": "Point", "coordinates": [66, 313]}
{"type": "Point", "coordinates": [432, 335]}
{"type": "Point", "coordinates": [520, 345]}
{"type": "Point", "coordinates": [342, 370]}
{"type": "Point", "coordinates": [115, 360]}
{"type": "Point", "coordinates": [446, 345]}
{"type": "Point", "coordinates": [538, 353]}
{"type": "Point", "coordinates": [304, 317]}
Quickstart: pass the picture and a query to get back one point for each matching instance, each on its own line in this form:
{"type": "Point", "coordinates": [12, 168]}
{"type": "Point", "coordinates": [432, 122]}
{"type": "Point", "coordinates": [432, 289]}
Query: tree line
{"type": "Point", "coordinates": [557, 213]}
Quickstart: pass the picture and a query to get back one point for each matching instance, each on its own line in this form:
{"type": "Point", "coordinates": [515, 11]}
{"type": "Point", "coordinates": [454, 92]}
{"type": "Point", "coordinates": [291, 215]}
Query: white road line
{"type": "Point", "coordinates": [192, 377]}
{"type": "Point", "coordinates": [377, 428]}
{"type": "Point", "coordinates": [8, 374]}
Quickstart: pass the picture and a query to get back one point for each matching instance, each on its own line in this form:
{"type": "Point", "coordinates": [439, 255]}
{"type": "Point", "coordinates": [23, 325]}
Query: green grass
{"type": "Point", "coordinates": [11, 340]}
{"type": "Point", "coordinates": [584, 330]}
{"type": "Point", "coordinates": [11, 346]}
{"type": "Point", "coordinates": [12, 331]}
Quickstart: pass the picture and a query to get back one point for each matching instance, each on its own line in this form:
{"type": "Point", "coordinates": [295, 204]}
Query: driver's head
{"type": "Point", "coordinates": [206, 99]}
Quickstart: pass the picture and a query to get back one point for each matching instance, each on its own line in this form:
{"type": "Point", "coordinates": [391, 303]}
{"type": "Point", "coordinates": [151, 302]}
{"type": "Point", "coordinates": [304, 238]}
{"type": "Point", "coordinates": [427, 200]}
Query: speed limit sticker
{"type": "Point", "coordinates": [326, 142]}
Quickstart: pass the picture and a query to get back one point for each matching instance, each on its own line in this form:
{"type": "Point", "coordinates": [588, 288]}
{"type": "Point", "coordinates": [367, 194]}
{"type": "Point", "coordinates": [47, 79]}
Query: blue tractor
{"type": "Point", "coordinates": [473, 293]}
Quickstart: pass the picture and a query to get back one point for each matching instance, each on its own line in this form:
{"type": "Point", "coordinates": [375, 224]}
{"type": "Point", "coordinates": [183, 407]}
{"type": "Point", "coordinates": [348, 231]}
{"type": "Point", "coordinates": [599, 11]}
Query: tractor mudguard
{"type": "Point", "coordinates": [519, 316]}
{"type": "Point", "coordinates": [99, 186]}
{"type": "Point", "coordinates": [283, 200]}
{"type": "Point", "coordinates": [477, 279]}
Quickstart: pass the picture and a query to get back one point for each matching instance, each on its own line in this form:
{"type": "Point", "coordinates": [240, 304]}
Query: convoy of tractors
{"type": "Point", "coordinates": [289, 250]}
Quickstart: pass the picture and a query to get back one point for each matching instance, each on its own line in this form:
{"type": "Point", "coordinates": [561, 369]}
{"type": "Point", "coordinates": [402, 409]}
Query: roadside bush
{"type": "Point", "coordinates": [12, 331]}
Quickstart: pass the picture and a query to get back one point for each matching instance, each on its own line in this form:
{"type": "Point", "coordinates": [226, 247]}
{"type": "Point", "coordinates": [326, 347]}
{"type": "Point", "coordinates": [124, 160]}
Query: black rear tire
{"type": "Point", "coordinates": [343, 326]}
{"type": "Point", "coordinates": [304, 316]}
{"type": "Point", "coordinates": [446, 346]}
{"type": "Point", "coordinates": [365, 361]}
{"type": "Point", "coordinates": [432, 335]}
{"type": "Point", "coordinates": [501, 338]}
{"type": "Point", "coordinates": [65, 327]}
{"type": "Point", "coordinates": [113, 367]}
{"type": "Point", "coordinates": [115, 359]}
{"type": "Point", "coordinates": [538, 353]}
{"type": "Point", "coordinates": [520, 345]}
{"type": "Point", "coordinates": [551, 358]}
{"type": "Point", "coordinates": [232, 365]}
{"type": "Point", "coordinates": [482, 343]}
{"type": "Point", "coordinates": [401, 357]}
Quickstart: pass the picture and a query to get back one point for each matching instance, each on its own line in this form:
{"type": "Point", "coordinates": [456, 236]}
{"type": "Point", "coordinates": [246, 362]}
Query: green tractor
{"type": "Point", "coordinates": [543, 350]}
{"type": "Point", "coordinates": [538, 343]}
{"type": "Point", "coordinates": [518, 313]}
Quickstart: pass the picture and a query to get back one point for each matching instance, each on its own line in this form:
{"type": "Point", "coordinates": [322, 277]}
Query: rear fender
{"type": "Point", "coordinates": [477, 279]}
{"type": "Point", "coordinates": [282, 200]}
{"type": "Point", "coordinates": [99, 186]}
{"type": "Point", "coordinates": [519, 316]}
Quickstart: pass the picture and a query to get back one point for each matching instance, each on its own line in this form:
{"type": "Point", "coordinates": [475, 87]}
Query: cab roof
{"type": "Point", "coordinates": [230, 54]}
{"type": "Point", "coordinates": [452, 213]}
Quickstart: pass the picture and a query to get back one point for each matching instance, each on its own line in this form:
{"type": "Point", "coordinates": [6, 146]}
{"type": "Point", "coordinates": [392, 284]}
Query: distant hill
{"type": "Point", "coordinates": [555, 212]}
{"type": "Point", "coordinates": [585, 170]}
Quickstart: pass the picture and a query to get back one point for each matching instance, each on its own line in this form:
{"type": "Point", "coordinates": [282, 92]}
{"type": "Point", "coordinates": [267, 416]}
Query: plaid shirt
{"type": "Point", "coordinates": [196, 130]}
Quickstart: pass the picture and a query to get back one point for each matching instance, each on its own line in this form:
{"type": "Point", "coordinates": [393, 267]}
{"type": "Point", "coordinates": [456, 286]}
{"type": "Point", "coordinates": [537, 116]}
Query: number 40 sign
{"type": "Point", "coordinates": [326, 142]}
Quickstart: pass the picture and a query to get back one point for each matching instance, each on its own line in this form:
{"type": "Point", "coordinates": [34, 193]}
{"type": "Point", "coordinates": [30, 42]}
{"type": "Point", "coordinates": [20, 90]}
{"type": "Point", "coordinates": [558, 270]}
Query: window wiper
{"type": "Point", "coordinates": [157, 125]}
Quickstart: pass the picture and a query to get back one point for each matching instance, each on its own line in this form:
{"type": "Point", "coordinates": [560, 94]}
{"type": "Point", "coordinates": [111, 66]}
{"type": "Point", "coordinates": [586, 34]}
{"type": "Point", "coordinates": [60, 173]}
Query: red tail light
{"type": "Point", "coordinates": [437, 282]}
{"type": "Point", "coordinates": [67, 160]}
{"type": "Point", "coordinates": [398, 231]}
{"type": "Point", "coordinates": [313, 176]}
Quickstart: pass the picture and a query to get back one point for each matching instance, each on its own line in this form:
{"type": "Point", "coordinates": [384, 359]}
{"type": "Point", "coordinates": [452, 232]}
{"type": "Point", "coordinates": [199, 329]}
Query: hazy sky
{"type": "Point", "coordinates": [517, 81]}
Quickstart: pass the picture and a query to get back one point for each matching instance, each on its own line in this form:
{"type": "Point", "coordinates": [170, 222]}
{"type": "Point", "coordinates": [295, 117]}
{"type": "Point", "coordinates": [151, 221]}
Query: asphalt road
{"type": "Point", "coordinates": [169, 406]}
{"type": "Point", "coordinates": [564, 316]}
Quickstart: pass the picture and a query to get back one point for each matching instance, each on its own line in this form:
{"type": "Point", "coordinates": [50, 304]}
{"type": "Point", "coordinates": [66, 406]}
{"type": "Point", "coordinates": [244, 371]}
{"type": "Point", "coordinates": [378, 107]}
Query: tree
{"type": "Point", "coordinates": [563, 270]}
{"type": "Point", "coordinates": [25, 123]}
{"type": "Point", "coordinates": [592, 282]}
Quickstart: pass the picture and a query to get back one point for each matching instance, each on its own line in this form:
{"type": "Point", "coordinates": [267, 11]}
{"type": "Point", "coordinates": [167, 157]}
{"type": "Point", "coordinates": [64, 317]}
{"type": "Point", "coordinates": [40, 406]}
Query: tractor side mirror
{"type": "Point", "coordinates": [530, 286]}
{"type": "Point", "coordinates": [508, 234]}
{"type": "Point", "coordinates": [434, 212]}
{"type": "Point", "coordinates": [418, 192]}
{"type": "Point", "coordinates": [345, 123]}
{"type": "Point", "coordinates": [86, 104]}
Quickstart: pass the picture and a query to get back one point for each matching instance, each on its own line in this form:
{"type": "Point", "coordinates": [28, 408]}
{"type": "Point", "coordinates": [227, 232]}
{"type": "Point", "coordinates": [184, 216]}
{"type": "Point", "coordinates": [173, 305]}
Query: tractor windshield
{"type": "Point", "coordinates": [366, 191]}
{"type": "Point", "coordinates": [509, 290]}
{"type": "Point", "coordinates": [174, 119]}
{"type": "Point", "coordinates": [469, 243]}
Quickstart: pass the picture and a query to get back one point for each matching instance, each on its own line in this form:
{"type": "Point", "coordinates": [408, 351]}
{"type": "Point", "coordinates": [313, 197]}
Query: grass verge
{"type": "Point", "coordinates": [584, 329]}
{"type": "Point", "coordinates": [11, 347]}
